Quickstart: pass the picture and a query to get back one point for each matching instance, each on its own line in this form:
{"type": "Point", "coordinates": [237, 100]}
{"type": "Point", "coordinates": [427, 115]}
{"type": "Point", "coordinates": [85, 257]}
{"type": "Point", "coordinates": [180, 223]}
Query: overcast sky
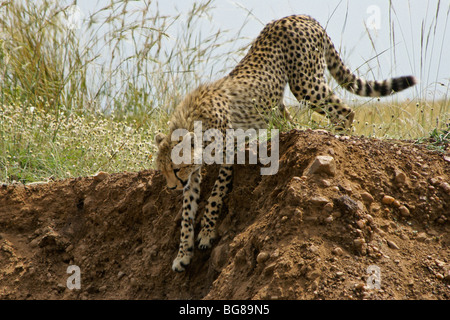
{"type": "Point", "coordinates": [362, 29]}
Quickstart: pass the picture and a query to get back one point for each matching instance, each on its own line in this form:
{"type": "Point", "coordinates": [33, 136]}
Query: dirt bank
{"type": "Point", "coordinates": [298, 234]}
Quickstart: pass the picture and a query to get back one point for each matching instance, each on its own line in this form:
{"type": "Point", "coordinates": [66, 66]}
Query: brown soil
{"type": "Point", "coordinates": [286, 236]}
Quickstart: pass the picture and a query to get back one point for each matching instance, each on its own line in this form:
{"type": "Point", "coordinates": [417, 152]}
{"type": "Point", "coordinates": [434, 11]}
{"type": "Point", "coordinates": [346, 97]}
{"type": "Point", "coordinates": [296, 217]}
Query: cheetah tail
{"type": "Point", "coordinates": [359, 86]}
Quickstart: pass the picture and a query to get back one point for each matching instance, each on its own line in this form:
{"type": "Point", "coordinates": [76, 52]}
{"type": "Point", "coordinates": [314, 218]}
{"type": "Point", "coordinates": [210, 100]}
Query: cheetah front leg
{"type": "Point", "coordinates": [190, 197]}
{"type": "Point", "coordinates": [221, 188]}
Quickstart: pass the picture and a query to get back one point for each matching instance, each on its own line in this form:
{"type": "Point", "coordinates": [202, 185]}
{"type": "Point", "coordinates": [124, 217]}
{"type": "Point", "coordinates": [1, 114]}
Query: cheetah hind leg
{"type": "Point", "coordinates": [340, 115]}
{"type": "Point", "coordinates": [326, 103]}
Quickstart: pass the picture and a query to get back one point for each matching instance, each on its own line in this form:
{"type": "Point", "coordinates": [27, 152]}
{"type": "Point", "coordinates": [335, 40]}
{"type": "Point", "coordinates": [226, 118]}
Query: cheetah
{"type": "Point", "coordinates": [291, 51]}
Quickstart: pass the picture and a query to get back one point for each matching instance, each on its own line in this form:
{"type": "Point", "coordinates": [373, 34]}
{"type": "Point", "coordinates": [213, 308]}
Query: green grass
{"type": "Point", "coordinates": [67, 110]}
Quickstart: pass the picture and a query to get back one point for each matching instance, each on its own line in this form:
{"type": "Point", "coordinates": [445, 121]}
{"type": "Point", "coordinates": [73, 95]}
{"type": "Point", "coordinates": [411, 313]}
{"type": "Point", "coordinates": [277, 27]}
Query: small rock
{"type": "Point", "coordinates": [361, 223]}
{"type": "Point", "coordinates": [346, 204]}
{"type": "Point", "coordinates": [400, 177]}
{"type": "Point", "coordinates": [392, 245]}
{"type": "Point", "coordinates": [314, 249]}
{"type": "Point", "coordinates": [268, 271]}
{"type": "Point", "coordinates": [388, 200]}
{"type": "Point", "coordinates": [360, 245]}
{"type": "Point", "coordinates": [445, 186]}
{"type": "Point", "coordinates": [329, 219]}
{"type": "Point", "coordinates": [262, 257]}
{"type": "Point", "coordinates": [441, 220]}
{"type": "Point", "coordinates": [35, 242]}
{"type": "Point", "coordinates": [421, 237]}
{"type": "Point", "coordinates": [360, 286]}
{"type": "Point", "coordinates": [404, 211]}
{"type": "Point", "coordinates": [338, 251]}
{"type": "Point", "coordinates": [367, 197]}
{"type": "Point", "coordinates": [396, 204]}
{"type": "Point", "coordinates": [120, 274]}
{"type": "Point", "coordinates": [100, 176]}
{"type": "Point", "coordinates": [435, 181]}
{"type": "Point", "coordinates": [219, 256]}
{"type": "Point", "coordinates": [60, 287]}
{"type": "Point", "coordinates": [447, 276]}
{"type": "Point", "coordinates": [319, 200]}
{"type": "Point", "coordinates": [133, 282]}
{"type": "Point", "coordinates": [328, 207]}
{"type": "Point", "coordinates": [314, 274]}
{"type": "Point", "coordinates": [439, 263]}
{"type": "Point", "coordinates": [321, 164]}
{"type": "Point", "coordinates": [92, 289]}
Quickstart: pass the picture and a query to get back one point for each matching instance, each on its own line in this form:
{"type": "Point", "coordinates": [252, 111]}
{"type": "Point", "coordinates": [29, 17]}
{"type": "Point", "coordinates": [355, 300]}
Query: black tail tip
{"type": "Point", "coordinates": [411, 80]}
{"type": "Point", "coordinates": [401, 83]}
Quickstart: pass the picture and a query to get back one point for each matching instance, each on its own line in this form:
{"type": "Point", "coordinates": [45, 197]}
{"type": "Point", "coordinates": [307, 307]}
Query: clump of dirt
{"type": "Point", "coordinates": [344, 218]}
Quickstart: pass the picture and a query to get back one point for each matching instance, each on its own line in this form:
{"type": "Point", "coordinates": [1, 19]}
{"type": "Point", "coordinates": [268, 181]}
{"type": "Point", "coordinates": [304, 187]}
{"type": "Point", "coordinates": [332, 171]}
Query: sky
{"type": "Point", "coordinates": [378, 39]}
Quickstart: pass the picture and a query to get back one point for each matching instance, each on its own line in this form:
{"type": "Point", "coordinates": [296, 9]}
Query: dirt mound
{"type": "Point", "coordinates": [370, 219]}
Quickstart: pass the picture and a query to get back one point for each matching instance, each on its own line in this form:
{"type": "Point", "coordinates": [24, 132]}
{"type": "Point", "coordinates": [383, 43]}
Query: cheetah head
{"type": "Point", "coordinates": [177, 175]}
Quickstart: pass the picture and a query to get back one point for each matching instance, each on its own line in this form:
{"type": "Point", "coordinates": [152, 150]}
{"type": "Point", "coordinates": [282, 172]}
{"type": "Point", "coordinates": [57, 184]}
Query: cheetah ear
{"type": "Point", "coordinates": [158, 138]}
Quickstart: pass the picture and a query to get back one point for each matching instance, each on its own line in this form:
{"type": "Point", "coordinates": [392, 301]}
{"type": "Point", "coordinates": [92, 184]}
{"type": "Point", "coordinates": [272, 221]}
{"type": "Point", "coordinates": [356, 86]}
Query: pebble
{"type": "Point", "coordinates": [360, 245]}
{"type": "Point", "coordinates": [400, 177]}
{"type": "Point", "coordinates": [262, 257]}
{"type": "Point", "coordinates": [100, 176]}
{"type": "Point", "coordinates": [321, 164]}
{"type": "Point", "coordinates": [361, 223]}
{"type": "Point", "coordinates": [445, 186]}
{"type": "Point", "coordinates": [360, 286]}
{"type": "Point", "coordinates": [388, 200]}
{"type": "Point", "coordinates": [404, 211]}
{"type": "Point", "coordinates": [421, 237]}
{"type": "Point", "coordinates": [338, 251]}
{"type": "Point", "coordinates": [328, 207]}
{"type": "Point", "coordinates": [367, 197]}
{"type": "Point", "coordinates": [319, 200]}
{"type": "Point", "coordinates": [133, 282]}
{"type": "Point", "coordinates": [396, 203]}
{"type": "Point", "coordinates": [439, 263]}
{"type": "Point", "coordinates": [392, 245]}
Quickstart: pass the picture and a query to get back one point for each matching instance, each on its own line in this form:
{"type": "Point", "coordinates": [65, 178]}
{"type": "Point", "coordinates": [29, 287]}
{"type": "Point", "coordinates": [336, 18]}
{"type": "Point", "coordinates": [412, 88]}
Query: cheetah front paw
{"type": "Point", "coordinates": [206, 237]}
{"type": "Point", "coordinates": [181, 262]}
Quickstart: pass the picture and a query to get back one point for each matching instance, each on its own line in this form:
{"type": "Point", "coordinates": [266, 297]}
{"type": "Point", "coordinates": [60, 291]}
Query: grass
{"type": "Point", "coordinates": [77, 101]}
